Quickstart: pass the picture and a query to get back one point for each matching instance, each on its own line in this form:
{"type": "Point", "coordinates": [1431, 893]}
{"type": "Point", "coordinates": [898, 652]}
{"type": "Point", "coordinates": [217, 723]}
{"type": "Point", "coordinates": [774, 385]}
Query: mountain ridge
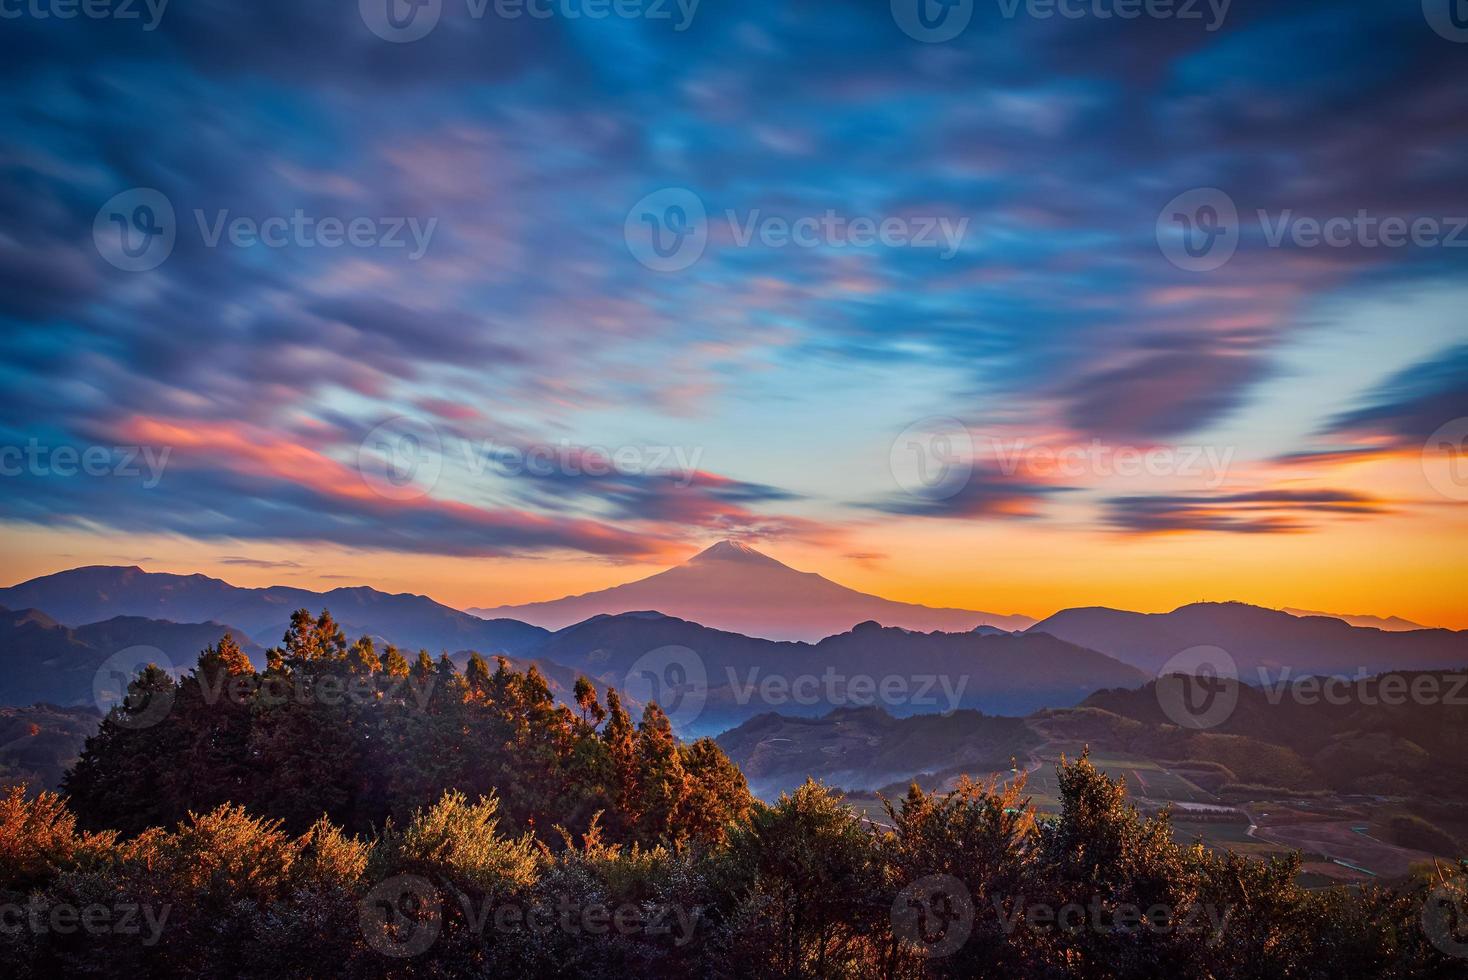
{"type": "Point", "coordinates": [1256, 637]}
{"type": "Point", "coordinates": [92, 593]}
{"type": "Point", "coordinates": [734, 587]}
{"type": "Point", "coordinates": [1004, 674]}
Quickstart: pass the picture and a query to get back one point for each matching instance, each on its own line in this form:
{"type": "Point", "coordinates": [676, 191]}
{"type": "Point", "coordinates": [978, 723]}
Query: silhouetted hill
{"type": "Point", "coordinates": [1369, 739]}
{"type": "Point", "coordinates": [1256, 638]}
{"type": "Point", "coordinates": [867, 748]}
{"type": "Point", "coordinates": [42, 660]}
{"type": "Point", "coordinates": [733, 587]}
{"type": "Point", "coordinates": [40, 742]}
{"type": "Point", "coordinates": [924, 672]}
{"type": "Point", "coordinates": [85, 595]}
{"type": "Point", "coordinates": [1389, 623]}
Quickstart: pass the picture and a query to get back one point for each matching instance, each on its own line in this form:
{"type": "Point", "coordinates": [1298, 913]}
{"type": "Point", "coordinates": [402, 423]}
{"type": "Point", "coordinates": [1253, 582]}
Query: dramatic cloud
{"type": "Point", "coordinates": [1414, 404]}
{"type": "Point", "coordinates": [1261, 512]}
{"type": "Point", "coordinates": [490, 169]}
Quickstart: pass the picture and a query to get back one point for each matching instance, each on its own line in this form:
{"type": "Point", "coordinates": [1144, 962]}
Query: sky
{"type": "Point", "coordinates": [972, 306]}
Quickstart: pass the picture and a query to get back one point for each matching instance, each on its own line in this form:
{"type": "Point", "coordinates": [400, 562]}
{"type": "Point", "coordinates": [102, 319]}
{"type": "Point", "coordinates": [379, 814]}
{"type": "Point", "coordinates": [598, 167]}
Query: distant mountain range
{"type": "Point", "coordinates": [1256, 638]}
{"type": "Point", "coordinates": [71, 621]}
{"type": "Point", "coordinates": [1365, 744]}
{"type": "Point", "coordinates": [96, 592]}
{"type": "Point", "coordinates": [1391, 623]}
{"type": "Point", "coordinates": [733, 587]}
{"type": "Point", "coordinates": [867, 748]}
{"type": "Point", "coordinates": [928, 672]}
{"type": "Point", "coordinates": [42, 660]}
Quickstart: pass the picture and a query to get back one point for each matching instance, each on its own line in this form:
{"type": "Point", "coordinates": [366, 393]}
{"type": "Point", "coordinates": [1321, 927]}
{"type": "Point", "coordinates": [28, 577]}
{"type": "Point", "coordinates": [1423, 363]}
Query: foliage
{"type": "Point", "coordinates": [340, 730]}
{"type": "Point", "coordinates": [487, 862]}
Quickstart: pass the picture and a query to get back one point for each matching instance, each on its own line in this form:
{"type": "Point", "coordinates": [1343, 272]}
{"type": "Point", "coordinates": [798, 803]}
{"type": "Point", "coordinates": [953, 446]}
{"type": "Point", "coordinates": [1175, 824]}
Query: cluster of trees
{"type": "Point", "coordinates": [341, 730]}
{"type": "Point", "coordinates": [591, 847]}
{"type": "Point", "coordinates": [963, 884]}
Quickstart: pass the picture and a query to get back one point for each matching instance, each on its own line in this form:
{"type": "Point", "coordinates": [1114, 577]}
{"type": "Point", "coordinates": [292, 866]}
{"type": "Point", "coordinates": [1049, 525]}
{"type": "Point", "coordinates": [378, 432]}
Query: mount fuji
{"type": "Point", "coordinates": [733, 587]}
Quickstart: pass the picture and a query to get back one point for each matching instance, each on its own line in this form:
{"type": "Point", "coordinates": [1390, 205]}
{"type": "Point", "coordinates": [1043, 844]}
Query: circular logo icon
{"type": "Point", "coordinates": [401, 459]}
{"type": "Point", "coordinates": [401, 916]}
{"type": "Point", "coordinates": [1445, 459]}
{"type": "Point", "coordinates": [933, 458]}
{"type": "Point", "coordinates": [1448, 17]}
{"type": "Point", "coordinates": [116, 684]}
{"type": "Point", "coordinates": [1445, 920]}
{"type": "Point", "coordinates": [1199, 687]}
{"type": "Point", "coordinates": [1198, 231]}
{"type": "Point", "coordinates": [932, 21]}
{"type": "Point", "coordinates": [135, 230]}
{"type": "Point", "coordinates": [934, 915]}
{"type": "Point", "coordinates": [667, 230]}
{"type": "Point", "coordinates": [673, 676]}
{"type": "Point", "coordinates": [400, 21]}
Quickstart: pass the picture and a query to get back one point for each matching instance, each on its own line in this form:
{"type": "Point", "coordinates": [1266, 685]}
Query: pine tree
{"type": "Point", "coordinates": [663, 784]}
{"type": "Point", "coordinates": [362, 658]}
{"type": "Point", "coordinates": [393, 663]}
{"type": "Point", "coordinates": [476, 675]}
{"type": "Point", "coordinates": [620, 739]}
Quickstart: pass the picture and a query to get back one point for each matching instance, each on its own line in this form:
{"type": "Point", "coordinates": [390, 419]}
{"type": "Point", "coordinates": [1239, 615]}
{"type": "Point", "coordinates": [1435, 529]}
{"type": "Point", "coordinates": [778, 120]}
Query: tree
{"type": "Point", "coordinates": [663, 785]}
{"type": "Point", "coordinates": [393, 662]}
{"type": "Point", "coordinates": [802, 884]}
{"type": "Point", "coordinates": [122, 780]}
